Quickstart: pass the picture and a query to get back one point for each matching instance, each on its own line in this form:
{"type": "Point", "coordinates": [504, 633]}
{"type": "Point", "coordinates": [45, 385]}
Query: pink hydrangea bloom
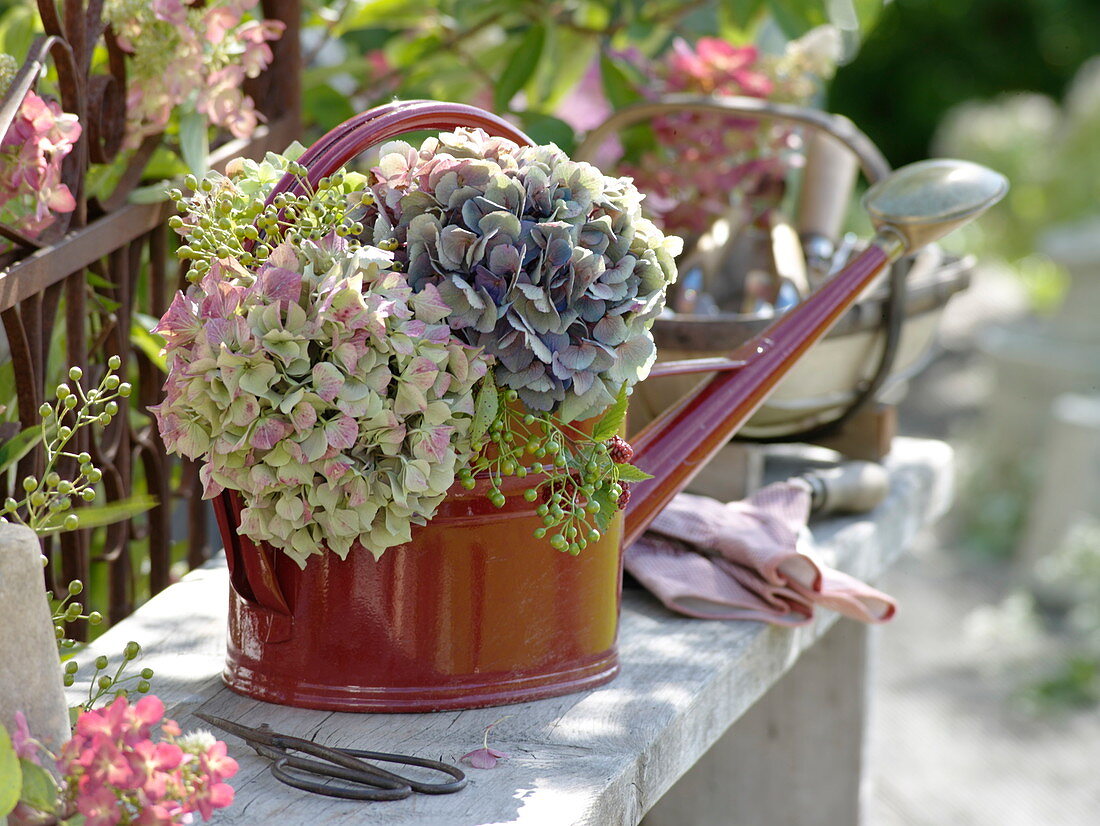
{"type": "Point", "coordinates": [194, 55]}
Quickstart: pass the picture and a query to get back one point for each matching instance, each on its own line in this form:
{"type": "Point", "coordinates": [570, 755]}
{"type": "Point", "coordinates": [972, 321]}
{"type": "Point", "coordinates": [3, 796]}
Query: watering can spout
{"type": "Point", "coordinates": [916, 205]}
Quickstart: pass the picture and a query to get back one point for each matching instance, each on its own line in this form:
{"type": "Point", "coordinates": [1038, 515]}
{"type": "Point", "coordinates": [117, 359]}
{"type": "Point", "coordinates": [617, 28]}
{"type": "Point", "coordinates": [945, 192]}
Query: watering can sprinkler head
{"type": "Point", "coordinates": [914, 206]}
{"type": "Point", "coordinates": [922, 202]}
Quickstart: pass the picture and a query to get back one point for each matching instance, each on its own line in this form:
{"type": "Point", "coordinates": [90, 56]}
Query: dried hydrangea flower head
{"type": "Point", "coordinates": [547, 264]}
{"type": "Point", "coordinates": [321, 388]}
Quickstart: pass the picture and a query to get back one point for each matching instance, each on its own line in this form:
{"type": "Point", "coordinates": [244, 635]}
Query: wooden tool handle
{"type": "Point", "coordinates": [830, 175]}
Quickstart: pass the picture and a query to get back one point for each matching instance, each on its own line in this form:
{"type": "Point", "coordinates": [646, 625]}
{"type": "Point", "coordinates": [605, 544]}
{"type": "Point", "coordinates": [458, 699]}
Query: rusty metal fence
{"type": "Point", "coordinates": [79, 287]}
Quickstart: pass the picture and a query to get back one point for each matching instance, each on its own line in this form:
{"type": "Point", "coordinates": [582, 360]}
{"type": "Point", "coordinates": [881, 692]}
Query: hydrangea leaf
{"type": "Point", "coordinates": [615, 417]}
{"type": "Point", "coordinates": [485, 409]}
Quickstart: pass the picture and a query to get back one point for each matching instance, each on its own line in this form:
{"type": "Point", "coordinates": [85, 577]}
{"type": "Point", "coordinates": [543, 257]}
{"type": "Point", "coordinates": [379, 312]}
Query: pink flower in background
{"type": "Point", "coordinates": [31, 154]}
{"type": "Point", "coordinates": [191, 54]}
{"type": "Point", "coordinates": [705, 164]}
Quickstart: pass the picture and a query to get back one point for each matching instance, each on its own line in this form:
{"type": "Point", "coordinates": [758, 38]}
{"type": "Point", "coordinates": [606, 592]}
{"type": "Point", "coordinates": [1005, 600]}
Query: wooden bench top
{"type": "Point", "coordinates": [600, 757]}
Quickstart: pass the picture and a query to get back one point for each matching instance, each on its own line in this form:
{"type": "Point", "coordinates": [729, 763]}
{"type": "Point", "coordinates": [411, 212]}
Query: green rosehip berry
{"type": "Point", "coordinates": [38, 499]}
{"type": "Point", "coordinates": [70, 402]}
{"type": "Point", "coordinates": [114, 362]}
{"type": "Point", "coordinates": [64, 431]}
{"type": "Point", "coordinates": [530, 494]}
{"type": "Point", "coordinates": [508, 467]}
{"type": "Point", "coordinates": [10, 505]}
{"type": "Point", "coordinates": [52, 479]}
{"type": "Point", "coordinates": [593, 535]}
{"type": "Point", "coordinates": [111, 408]}
{"type": "Point", "coordinates": [94, 475]}
{"type": "Point", "coordinates": [175, 222]}
{"type": "Point", "coordinates": [88, 495]}
{"type": "Point", "coordinates": [143, 687]}
{"type": "Point", "coordinates": [75, 587]}
{"type": "Point", "coordinates": [75, 373]}
{"type": "Point", "coordinates": [63, 391]}
{"type": "Point", "coordinates": [84, 458]}
{"type": "Point", "coordinates": [560, 460]}
{"type": "Point", "coordinates": [511, 395]}
{"type": "Point", "coordinates": [125, 389]}
{"type": "Point", "coordinates": [68, 680]}
{"type": "Point", "coordinates": [558, 542]}
{"type": "Point", "coordinates": [540, 533]}
{"type": "Point", "coordinates": [72, 522]}
{"type": "Point", "coordinates": [592, 507]}
{"type": "Point", "coordinates": [131, 650]}
{"type": "Point", "coordinates": [552, 448]}
{"type": "Point", "coordinates": [105, 682]}
{"type": "Point", "coordinates": [100, 662]}
{"type": "Point", "coordinates": [59, 632]}
{"type": "Point", "coordinates": [498, 500]}
{"type": "Point", "coordinates": [64, 487]}
{"type": "Point", "coordinates": [540, 453]}
{"type": "Point", "coordinates": [574, 548]}
{"type": "Point", "coordinates": [469, 483]}
{"type": "Point", "coordinates": [548, 520]}
{"type": "Point", "coordinates": [45, 411]}
{"type": "Point", "coordinates": [537, 467]}
{"type": "Point", "coordinates": [521, 471]}
{"type": "Point", "coordinates": [95, 618]}
{"type": "Point", "coordinates": [104, 419]}
{"type": "Point", "coordinates": [146, 673]}
{"type": "Point", "coordinates": [529, 419]}
{"type": "Point", "coordinates": [542, 509]}
{"type": "Point", "coordinates": [71, 667]}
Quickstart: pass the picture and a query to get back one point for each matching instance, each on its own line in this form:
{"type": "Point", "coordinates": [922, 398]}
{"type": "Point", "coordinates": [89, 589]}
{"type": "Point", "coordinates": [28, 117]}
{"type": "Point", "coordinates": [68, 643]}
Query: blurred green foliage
{"type": "Point", "coordinates": [524, 57]}
{"type": "Point", "coordinates": [925, 56]}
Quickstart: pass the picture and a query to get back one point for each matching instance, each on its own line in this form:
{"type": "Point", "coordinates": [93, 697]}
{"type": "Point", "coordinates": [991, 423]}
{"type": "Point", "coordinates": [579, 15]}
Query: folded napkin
{"type": "Point", "coordinates": [747, 560]}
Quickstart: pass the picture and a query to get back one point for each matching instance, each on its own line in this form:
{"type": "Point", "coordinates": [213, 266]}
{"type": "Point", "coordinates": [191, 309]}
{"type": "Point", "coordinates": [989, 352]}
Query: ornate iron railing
{"type": "Point", "coordinates": [86, 277]}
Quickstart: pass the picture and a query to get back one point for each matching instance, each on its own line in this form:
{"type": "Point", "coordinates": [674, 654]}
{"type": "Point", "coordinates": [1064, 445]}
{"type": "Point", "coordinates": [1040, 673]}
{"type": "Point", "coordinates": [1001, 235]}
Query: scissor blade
{"type": "Point", "coordinates": [250, 735]}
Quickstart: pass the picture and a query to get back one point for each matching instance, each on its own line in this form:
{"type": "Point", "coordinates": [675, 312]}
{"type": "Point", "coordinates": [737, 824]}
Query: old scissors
{"type": "Point", "coordinates": [369, 781]}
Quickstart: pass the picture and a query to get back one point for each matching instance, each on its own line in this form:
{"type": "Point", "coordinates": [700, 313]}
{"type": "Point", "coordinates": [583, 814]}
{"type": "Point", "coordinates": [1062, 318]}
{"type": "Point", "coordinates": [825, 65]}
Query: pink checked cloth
{"type": "Point", "coordinates": [745, 560]}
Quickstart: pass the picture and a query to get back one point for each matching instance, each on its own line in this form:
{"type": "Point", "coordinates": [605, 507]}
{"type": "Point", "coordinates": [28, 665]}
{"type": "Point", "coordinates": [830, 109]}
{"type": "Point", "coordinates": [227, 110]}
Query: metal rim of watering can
{"type": "Point", "coordinates": [875, 168]}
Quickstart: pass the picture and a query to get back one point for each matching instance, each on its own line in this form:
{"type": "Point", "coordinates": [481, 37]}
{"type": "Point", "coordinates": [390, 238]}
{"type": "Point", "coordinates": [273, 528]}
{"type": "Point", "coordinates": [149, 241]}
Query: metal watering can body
{"type": "Point", "coordinates": [475, 611]}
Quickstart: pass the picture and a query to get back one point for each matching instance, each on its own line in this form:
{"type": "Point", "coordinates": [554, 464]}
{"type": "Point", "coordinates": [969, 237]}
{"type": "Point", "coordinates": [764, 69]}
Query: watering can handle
{"type": "Point", "coordinates": [383, 123]}
{"type": "Point", "coordinates": [253, 571]}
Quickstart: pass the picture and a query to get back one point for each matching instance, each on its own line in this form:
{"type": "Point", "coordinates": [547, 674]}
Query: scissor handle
{"type": "Point", "coordinates": [455, 785]}
{"type": "Point", "coordinates": [348, 764]}
{"type": "Point", "coordinates": [285, 768]}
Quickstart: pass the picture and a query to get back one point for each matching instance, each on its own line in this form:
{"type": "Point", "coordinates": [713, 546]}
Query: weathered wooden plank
{"type": "Point", "coordinates": [795, 757]}
{"type": "Point", "coordinates": [602, 757]}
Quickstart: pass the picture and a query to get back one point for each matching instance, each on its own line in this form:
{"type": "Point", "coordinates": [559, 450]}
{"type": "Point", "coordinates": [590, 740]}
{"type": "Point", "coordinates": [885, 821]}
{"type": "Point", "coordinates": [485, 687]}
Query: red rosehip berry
{"type": "Point", "coordinates": [624, 497]}
{"type": "Point", "coordinates": [619, 450]}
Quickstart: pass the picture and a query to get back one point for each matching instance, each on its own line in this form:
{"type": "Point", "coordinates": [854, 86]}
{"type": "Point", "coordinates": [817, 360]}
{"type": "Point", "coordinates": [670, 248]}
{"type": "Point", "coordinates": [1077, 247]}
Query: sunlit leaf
{"type": "Point", "coordinates": [11, 774]}
{"type": "Point", "coordinates": [19, 446]}
{"type": "Point", "coordinates": [485, 409]}
{"type": "Point", "coordinates": [99, 515]}
{"type": "Point", "coordinates": [629, 473]}
{"type": "Point", "coordinates": [520, 66]}
{"type": "Point", "coordinates": [39, 787]}
{"type": "Point", "coordinates": [149, 343]}
{"type": "Point", "coordinates": [613, 420]}
{"type": "Point", "coordinates": [195, 142]}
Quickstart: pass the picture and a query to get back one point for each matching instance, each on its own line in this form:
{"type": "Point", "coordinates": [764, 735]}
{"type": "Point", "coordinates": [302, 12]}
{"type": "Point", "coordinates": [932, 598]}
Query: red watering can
{"type": "Point", "coordinates": [475, 611]}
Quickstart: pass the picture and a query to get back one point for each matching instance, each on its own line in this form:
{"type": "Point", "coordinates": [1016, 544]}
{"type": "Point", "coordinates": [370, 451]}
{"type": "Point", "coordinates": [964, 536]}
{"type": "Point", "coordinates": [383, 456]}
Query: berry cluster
{"type": "Point", "coordinates": [229, 218]}
{"type": "Point", "coordinates": [579, 479]}
{"type": "Point", "coordinates": [47, 502]}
